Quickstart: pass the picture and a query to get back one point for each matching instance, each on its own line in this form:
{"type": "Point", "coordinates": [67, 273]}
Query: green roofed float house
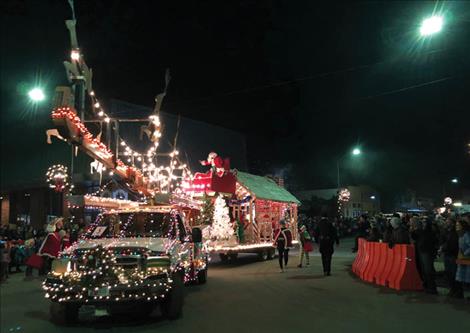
{"type": "Point", "coordinates": [256, 204]}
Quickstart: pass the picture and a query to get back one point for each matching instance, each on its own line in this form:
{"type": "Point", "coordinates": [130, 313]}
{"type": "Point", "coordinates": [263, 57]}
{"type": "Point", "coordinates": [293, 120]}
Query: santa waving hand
{"type": "Point", "coordinates": [218, 164]}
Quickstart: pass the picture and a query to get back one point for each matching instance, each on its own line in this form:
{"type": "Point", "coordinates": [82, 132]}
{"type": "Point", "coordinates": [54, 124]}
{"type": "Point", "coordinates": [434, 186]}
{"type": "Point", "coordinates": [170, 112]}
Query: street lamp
{"type": "Point", "coordinates": [355, 152]}
{"type": "Point", "coordinates": [454, 180]}
{"type": "Point", "coordinates": [36, 95]}
{"type": "Point", "coordinates": [431, 25]}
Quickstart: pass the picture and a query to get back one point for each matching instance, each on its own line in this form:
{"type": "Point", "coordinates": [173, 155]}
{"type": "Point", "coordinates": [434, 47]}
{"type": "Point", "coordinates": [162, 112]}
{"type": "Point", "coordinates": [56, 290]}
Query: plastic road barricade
{"type": "Point", "coordinates": [396, 268]}
{"type": "Point", "coordinates": [359, 256]}
{"type": "Point", "coordinates": [407, 277]}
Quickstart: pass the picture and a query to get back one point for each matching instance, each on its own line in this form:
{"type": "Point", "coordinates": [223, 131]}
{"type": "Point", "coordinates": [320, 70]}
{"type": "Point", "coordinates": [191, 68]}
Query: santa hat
{"type": "Point", "coordinates": [395, 222]}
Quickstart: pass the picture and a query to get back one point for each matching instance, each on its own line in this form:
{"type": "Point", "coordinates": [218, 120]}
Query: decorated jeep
{"type": "Point", "coordinates": [128, 261]}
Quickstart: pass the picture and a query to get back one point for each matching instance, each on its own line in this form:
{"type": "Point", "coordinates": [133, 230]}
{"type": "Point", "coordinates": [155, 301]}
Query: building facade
{"type": "Point", "coordinates": [363, 200]}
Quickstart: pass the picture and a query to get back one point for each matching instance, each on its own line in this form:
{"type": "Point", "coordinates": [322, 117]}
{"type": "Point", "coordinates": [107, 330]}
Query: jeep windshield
{"type": "Point", "coordinates": [142, 224]}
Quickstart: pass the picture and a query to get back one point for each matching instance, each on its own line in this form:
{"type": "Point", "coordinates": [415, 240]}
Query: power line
{"type": "Point", "coordinates": [419, 85]}
{"type": "Point", "coordinates": [306, 78]}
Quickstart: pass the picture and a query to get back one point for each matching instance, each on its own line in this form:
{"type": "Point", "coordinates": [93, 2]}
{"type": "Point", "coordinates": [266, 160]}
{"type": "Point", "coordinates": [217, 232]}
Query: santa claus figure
{"type": "Point", "coordinates": [217, 164]}
{"type": "Point", "coordinates": [51, 245]}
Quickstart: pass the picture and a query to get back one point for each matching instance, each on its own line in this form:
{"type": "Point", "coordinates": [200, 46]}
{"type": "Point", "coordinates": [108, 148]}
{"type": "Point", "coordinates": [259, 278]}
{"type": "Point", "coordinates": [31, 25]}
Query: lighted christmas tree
{"type": "Point", "coordinates": [221, 228]}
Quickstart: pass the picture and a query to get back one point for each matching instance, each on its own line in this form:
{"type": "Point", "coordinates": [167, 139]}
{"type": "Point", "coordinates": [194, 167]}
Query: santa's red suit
{"type": "Point", "coordinates": [51, 245]}
{"type": "Point", "coordinates": [218, 165]}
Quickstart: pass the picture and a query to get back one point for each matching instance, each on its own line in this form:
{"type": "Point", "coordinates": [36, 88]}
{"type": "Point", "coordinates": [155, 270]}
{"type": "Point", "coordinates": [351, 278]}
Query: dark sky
{"type": "Point", "coordinates": [305, 81]}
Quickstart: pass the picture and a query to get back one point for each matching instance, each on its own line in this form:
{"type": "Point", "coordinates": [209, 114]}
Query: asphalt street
{"type": "Point", "coordinates": [253, 296]}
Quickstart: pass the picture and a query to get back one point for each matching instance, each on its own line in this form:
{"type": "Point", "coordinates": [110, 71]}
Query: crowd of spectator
{"type": "Point", "coordinates": [445, 237]}
{"type": "Point", "coordinates": [18, 244]}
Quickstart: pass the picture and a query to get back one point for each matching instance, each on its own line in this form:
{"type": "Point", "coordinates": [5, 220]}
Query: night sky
{"type": "Point", "coordinates": [305, 81]}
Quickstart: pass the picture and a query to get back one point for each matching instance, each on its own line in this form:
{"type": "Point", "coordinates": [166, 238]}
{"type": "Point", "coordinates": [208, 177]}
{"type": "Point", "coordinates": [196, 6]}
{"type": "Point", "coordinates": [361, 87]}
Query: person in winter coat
{"type": "Point", "coordinates": [463, 258]}
{"type": "Point", "coordinates": [374, 233]}
{"type": "Point", "coordinates": [283, 242]}
{"type": "Point", "coordinates": [426, 243]}
{"type": "Point", "coordinates": [306, 245]}
{"type": "Point", "coordinates": [15, 257]}
{"type": "Point", "coordinates": [449, 248]}
{"type": "Point", "coordinates": [4, 260]}
{"type": "Point", "coordinates": [387, 233]}
{"type": "Point", "coordinates": [326, 238]}
{"type": "Point", "coordinates": [362, 231]}
{"type": "Point", "coordinates": [400, 234]}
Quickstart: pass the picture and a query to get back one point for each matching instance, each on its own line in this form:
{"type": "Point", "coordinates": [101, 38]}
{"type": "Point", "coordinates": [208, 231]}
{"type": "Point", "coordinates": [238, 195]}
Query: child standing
{"type": "Point", "coordinates": [306, 245]}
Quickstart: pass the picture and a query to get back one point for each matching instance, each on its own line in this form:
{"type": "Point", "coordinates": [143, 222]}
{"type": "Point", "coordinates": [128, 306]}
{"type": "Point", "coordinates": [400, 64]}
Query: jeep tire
{"type": "Point", "coordinates": [202, 276]}
{"type": "Point", "coordinates": [64, 313]}
{"type": "Point", "coordinates": [263, 255]}
{"type": "Point", "coordinates": [172, 304]}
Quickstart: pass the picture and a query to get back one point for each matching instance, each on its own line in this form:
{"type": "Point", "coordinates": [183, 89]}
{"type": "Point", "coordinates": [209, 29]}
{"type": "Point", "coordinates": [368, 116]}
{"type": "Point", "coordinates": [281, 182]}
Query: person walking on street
{"type": "Point", "coordinates": [326, 237]}
{"type": "Point", "coordinates": [283, 242]}
{"type": "Point", "coordinates": [306, 246]}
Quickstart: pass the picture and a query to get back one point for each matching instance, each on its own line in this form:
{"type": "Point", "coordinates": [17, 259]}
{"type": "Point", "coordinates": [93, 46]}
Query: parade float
{"type": "Point", "coordinates": [247, 210]}
{"type": "Point", "coordinates": [140, 254]}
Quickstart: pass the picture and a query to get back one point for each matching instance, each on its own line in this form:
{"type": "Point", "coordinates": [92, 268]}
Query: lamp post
{"type": "Point", "coordinates": [355, 152]}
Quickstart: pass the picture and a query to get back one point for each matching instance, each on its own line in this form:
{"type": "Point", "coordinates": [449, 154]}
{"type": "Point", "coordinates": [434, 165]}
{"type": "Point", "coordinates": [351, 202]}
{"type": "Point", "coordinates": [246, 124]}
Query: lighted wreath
{"type": "Point", "coordinates": [344, 195]}
{"type": "Point", "coordinates": [57, 177]}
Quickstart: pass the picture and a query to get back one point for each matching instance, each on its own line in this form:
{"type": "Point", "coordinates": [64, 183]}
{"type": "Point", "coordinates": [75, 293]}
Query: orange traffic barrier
{"type": "Point", "coordinates": [407, 277]}
{"type": "Point", "coordinates": [373, 267]}
{"type": "Point", "coordinates": [364, 258]}
{"type": "Point", "coordinates": [368, 260]}
{"type": "Point", "coordinates": [385, 265]}
{"type": "Point", "coordinates": [359, 256]}
{"type": "Point", "coordinates": [396, 268]}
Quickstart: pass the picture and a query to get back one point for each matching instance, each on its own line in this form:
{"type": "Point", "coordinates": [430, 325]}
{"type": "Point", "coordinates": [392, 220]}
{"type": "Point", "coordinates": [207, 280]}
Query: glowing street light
{"type": "Point", "coordinates": [431, 25]}
{"type": "Point", "coordinates": [356, 151]}
{"type": "Point", "coordinates": [454, 180]}
{"type": "Point", "coordinates": [36, 95]}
